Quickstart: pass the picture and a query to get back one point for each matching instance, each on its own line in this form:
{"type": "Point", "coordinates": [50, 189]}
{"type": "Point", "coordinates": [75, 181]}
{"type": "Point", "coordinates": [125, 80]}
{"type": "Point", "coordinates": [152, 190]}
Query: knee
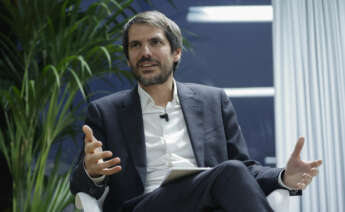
{"type": "Point", "coordinates": [233, 168]}
{"type": "Point", "coordinates": [233, 165]}
{"type": "Point", "coordinates": [230, 174]}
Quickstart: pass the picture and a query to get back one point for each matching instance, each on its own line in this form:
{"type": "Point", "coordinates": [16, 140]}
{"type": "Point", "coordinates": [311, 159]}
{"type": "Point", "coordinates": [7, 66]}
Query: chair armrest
{"type": "Point", "coordinates": [279, 200]}
{"type": "Point", "coordinates": [86, 202]}
{"type": "Point", "coordinates": [89, 203]}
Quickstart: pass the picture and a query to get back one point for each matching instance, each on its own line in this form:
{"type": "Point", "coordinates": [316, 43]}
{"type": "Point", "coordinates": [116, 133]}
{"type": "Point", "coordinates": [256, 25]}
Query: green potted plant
{"type": "Point", "coordinates": [49, 51]}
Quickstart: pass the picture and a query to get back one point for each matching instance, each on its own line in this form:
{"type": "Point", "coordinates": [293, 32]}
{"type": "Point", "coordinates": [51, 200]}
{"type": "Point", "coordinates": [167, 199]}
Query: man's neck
{"type": "Point", "coordinates": [161, 93]}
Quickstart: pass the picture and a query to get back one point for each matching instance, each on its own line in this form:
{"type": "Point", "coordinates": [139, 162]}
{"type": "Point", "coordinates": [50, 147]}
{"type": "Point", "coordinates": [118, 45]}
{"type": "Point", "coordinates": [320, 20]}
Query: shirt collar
{"type": "Point", "coordinates": [146, 99]}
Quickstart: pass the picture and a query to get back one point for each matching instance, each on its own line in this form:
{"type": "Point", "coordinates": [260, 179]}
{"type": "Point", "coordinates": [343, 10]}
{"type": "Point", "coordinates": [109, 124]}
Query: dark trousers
{"type": "Point", "coordinates": [229, 187]}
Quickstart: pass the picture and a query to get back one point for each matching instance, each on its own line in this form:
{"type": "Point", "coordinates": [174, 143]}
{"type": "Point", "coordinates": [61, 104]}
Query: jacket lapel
{"type": "Point", "coordinates": [132, 126]}
{"type": "Point", "coordinates": [193, 114]}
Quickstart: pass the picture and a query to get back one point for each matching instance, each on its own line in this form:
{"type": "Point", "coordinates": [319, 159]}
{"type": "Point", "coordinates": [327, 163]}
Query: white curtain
{"type": "Point", "coordinates": [309, 79]}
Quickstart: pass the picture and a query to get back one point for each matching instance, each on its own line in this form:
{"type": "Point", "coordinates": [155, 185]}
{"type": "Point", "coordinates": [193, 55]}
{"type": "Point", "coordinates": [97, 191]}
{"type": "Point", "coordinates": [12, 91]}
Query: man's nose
{"type": "Point", "coordinates": [146, 51]}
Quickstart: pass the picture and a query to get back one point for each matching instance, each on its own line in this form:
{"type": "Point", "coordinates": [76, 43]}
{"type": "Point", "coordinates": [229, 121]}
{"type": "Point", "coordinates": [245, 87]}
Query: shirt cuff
{"type": "Point", "coordinates": [97, 180]}
{"type": "Point", "coordinates": [280, 181]}
{"type": "Point", "coordinates": [293, 192]}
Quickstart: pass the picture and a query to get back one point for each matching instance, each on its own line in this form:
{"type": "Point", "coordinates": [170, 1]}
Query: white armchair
{"type": "Point", "coordinates": [88, 203]}
{"type": "Point", "coordinates": [278, 200]}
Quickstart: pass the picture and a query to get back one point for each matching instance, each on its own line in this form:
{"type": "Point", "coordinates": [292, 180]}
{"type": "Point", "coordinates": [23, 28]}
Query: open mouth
{"type": "Point", "coordinates": [147, 65]}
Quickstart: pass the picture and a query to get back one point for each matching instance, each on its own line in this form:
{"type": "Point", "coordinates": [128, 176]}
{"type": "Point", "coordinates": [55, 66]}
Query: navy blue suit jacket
{"type": "Point", "coordinates": [215, 135]}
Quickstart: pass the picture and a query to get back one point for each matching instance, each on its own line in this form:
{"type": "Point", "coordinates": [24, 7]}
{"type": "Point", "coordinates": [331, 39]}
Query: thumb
{"type": "Point", "coordinates": [298, 148]}
{"type": "Point", "coordinates": [88, 133]}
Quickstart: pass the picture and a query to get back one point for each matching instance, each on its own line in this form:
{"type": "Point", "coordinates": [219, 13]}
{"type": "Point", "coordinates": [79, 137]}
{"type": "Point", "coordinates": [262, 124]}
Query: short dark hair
{"type": "Point", "coordinates": [157, 19]}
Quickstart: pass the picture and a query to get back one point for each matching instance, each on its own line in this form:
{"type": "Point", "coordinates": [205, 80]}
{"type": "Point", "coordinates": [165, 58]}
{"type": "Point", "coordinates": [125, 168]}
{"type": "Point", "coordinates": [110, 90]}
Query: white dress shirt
{"type": "Point", "coordinates": [167, 141]}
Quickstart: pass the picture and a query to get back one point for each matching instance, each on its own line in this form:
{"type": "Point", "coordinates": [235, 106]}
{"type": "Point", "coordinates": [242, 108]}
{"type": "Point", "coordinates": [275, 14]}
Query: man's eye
{"type": "Point", "coordinates": [134, 45]}
{"type": "Point", "coordinates": [155, 42]}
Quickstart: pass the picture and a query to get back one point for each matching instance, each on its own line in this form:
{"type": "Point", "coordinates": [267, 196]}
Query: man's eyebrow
{"type": "Point", "coordinates": [150, 39]}
{"type": "Point", "coordinates": [156, 38]}
{"type": "Point", "coordinates": [134, 41]}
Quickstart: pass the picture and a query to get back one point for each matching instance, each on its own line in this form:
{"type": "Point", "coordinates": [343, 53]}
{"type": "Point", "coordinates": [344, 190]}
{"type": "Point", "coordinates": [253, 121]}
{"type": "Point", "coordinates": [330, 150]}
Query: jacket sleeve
{"type": "Point", "coordinates": [79, 180]}
{"type": "Point", "coordinates": [267, 177]}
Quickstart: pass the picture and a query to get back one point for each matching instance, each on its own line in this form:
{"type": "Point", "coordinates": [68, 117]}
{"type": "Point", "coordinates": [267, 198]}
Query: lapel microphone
{"type": "Point", "coordinates": [164, 116]}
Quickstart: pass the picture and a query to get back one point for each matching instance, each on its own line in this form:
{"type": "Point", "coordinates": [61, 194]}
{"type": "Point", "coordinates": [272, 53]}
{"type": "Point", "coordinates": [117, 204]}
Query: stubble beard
{"type": "Point", "coordinates": [162, 77]}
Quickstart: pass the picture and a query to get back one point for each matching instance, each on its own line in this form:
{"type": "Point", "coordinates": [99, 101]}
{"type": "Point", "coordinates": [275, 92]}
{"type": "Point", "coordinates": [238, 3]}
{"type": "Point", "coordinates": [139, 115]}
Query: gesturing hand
{"type": "Point", "coordinates": [299, 173]}
{"type": "Point", "coordinates": [94, 155]}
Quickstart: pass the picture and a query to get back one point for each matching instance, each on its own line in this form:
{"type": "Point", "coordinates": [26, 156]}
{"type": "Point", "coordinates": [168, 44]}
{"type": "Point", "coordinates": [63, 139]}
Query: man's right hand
{"type": "Point", "coordinates": [94, 155]}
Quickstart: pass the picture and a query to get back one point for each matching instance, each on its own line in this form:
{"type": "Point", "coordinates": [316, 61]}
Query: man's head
{"type": "Point", "coordinates": [152, 44]}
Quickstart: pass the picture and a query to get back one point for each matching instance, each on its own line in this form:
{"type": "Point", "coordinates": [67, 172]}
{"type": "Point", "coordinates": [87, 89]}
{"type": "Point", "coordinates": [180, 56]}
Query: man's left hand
{"type": "Point", "coordinates": [298, 173]}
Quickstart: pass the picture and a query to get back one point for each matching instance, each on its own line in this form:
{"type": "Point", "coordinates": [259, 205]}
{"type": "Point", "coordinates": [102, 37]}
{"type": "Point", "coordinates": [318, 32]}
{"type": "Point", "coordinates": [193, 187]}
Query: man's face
{"type": "Point", "coordinates": [150, 56]}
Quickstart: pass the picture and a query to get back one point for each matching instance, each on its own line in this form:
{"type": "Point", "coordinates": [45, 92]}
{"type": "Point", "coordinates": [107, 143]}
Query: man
{"type": "Point", "coordinates": [162, 124]}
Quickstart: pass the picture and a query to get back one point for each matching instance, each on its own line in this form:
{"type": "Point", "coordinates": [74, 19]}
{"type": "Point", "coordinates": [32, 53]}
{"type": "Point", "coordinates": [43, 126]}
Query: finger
{"type": "Point", "coordinates": [91, 147]}
{"type": "Point", "coordinates": [112, 170]}
{"type": "Point", "coordinates": [307, 179]}
{"type": "Point", "coordinates": [88, 133]}
{"type": "Point", "coordinates": [306, 183]}
{"type": "Point", "coordinates": [298, 148]}
{"type": "Point", "coordinates": [316, 163]}
{"type": "Point", "coordinates": [301, 186]}
{"type": "Point", "coordinates": [306, 176]}
{"type": "Point", "coordinates": [314, 172]}
{"type": "Point", "coordinates": [100, 156]}
{"type": "Point", "coordinates": [110, 163]}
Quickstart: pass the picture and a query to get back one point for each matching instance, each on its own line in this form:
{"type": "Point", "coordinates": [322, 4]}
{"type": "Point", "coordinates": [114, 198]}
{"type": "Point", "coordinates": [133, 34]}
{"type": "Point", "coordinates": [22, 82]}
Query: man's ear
{"type": "Point", "coordinates": [177, 54]}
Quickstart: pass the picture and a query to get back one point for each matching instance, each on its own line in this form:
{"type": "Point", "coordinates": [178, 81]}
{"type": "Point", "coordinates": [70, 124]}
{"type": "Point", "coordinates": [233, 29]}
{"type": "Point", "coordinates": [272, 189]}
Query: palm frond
{"type": "Point", "coordinates": [50, 52]}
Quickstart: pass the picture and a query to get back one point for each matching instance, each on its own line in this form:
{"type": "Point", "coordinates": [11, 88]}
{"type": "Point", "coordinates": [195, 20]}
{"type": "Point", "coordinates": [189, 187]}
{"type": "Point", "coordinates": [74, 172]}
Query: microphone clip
{"type": "Point", "coordinates": [164, 116]}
